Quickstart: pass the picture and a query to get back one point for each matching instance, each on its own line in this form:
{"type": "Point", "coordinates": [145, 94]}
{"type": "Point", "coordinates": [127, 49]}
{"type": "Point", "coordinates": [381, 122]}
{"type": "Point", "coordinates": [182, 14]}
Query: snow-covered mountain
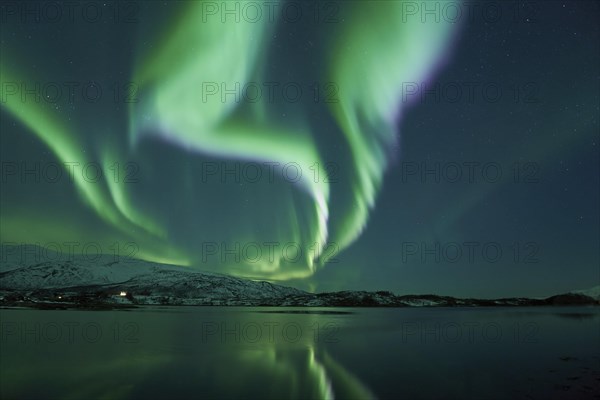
{"type": "Point", "coordinates": [22, 270]}
{"type": "Point", "coordinates": [593, 292]}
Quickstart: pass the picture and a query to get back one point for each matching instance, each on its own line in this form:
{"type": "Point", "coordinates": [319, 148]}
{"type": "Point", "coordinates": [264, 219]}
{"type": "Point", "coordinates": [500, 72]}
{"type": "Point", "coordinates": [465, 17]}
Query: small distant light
{"type": "Point", "coordinates": [60, 297]}
{"type": "Point", "coordinates": [123, 294]}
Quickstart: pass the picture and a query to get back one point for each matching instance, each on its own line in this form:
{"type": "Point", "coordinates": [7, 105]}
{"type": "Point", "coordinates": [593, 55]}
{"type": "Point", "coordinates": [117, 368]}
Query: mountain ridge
{"type": "Point", "coordinates": [106, 281]}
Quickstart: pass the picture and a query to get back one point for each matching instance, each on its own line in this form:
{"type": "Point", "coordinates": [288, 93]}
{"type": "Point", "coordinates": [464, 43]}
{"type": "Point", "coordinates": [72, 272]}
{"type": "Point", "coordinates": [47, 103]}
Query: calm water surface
{"type": "Point", "coordinates": [216, 352]}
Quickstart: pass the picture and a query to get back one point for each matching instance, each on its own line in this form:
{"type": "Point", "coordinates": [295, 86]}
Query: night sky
{"type": "Point", "coordinates": [454, 156]}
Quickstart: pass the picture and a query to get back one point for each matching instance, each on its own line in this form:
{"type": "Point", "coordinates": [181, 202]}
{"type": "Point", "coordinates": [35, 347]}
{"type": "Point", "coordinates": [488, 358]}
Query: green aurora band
{"type": "Point", "coordinates": [368, 62]}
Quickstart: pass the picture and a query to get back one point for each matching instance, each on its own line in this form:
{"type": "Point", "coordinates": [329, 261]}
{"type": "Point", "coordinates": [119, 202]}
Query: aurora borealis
{"type": "Point", "coordinates": [276, 148]}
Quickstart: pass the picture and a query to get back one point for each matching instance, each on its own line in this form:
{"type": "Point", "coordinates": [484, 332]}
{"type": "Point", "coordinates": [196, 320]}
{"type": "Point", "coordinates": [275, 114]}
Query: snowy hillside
{"type": "Point", "coordinates": [151, 283]}
{"type": "Point", "coordinates": [592, 292]}
{"type": "Point", "coordinates": [61, 274]}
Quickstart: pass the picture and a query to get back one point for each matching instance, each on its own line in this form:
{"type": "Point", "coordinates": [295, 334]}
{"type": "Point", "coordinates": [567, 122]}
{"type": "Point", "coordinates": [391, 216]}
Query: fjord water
{"type": "Point", "coordinates": [305, 353]}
